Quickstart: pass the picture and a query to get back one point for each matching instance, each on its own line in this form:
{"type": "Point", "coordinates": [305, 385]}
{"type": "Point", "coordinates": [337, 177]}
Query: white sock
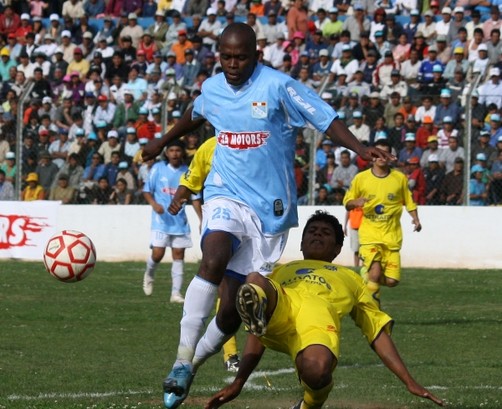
{"type": "Point", "coordinates": [151, 266]}
{"type": "Point", "coordinates": [199, 302]}
{"type": "Point", "coordinates": [210, 343]}
{"type": "Point", "coordinates": [177, 276]}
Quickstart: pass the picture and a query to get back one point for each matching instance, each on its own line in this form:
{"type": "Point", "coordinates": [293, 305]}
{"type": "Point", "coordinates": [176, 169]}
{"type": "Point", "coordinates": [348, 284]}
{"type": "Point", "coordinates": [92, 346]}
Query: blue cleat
{"type": "Point", "coordinates": [177, 385]}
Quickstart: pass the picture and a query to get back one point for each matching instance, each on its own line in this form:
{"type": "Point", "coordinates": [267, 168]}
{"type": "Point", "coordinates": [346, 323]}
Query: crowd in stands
{"type": "Point", "coordinates": [100, 72]}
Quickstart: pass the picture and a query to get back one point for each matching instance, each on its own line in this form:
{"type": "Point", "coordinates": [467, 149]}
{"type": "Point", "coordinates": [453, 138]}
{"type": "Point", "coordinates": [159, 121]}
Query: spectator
{"type": "Point", "coordinates": [121, 194]}
{"type": "Point", "coordinates": [72, 170]}
{"type": "Point", "coordinates": [59, 148]}
{"type": "Point", "coordinates": [448, 156]}
{"type": "Point", "coordinates": [110, 146]}
{"type": "Point", "coordinates": [9, 21]}
{"type": "Point", "coordinates": [434, 176]}
{"type": "Point", "coordinates": [491, 91]}
{"type": "Point", "coordinates": [392, 108]}
{"type": "Point", "coordinates": [473, 24]}
{"type": "Point", "coordinates": [494, 46]}
{"type": "Point", "coordinates": [452, 188]}
{"type": "Point", "coordinates": [409, 151]}
{"type": "Point", "coordinates": [426, 130]}
{"type": "Point", "coordinates": [493, 22]}
{"type": "Point", "coordinates": [101, 195]}
{"type": "Point", "coordinates": [456, 62]}
{"type": "Point", "coordinates": [478, 191]}
{"type": "Point", "coordinates": [374, 110]}
{"type": "Point", "coordinates": [416, 180]}
{"type": "Point", "coordinates": [63, 191]}
{"type": "Point", "coordinates": [396, 85]}
{"type": "Point", "coordinates": [446, 108]}
{"type": "Point", "coordinates": [428, 27]}
{"type": "Point", "coordinates": [33, 190]}
{"type": "Point", "coordinates": [496, 184]}
{"type": "Point", "coordinates": [9, 167]}
{"type": "Point", "coordinates": [6, 188]}
{"type": "Point", "coordinates": [93, 8]}
{"type": "Point", "coordinates": [94, 171]}
{"type": "Point", "coordinates": [443, 26]}
{"type": "Point", "coordinates": [344, 173]}
{"type": "Point", "coordinates": [495, 129]}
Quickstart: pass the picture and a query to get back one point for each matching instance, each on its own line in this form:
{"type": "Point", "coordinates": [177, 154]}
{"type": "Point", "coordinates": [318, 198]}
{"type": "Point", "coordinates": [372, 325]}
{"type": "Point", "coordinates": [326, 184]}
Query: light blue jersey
{"type": "Point", "coordinates": [162, 182]}
{"type": "Point", "coordinates": [256, 130]}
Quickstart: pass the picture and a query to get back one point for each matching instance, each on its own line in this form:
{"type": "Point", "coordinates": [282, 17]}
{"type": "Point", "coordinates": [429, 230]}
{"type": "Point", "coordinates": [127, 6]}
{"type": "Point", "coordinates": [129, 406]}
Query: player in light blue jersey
{"type": "Point", "coordinates": [167, 230]}
{"type": "Point", "coordinates": [250, 193]}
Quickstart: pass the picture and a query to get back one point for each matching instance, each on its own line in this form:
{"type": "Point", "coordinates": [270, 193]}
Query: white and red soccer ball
{"type": "Point", "coordinates": [70, 256]}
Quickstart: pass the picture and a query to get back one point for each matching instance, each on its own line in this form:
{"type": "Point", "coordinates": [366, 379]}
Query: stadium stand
{"type": "Point", "coordinates": [85, 84]}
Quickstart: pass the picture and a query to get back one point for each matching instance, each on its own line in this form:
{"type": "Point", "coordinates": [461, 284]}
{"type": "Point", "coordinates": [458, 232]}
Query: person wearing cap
{"type": "Point", "coordinates": [7, 192]}
{"type": "Point", "coordinates": [274, 53]}
{"type": "Point", "coordinates": [437, 83]}
{"type": "Point", "coordinates": [431, 149]}
{"type": "Point", "coordinates": [396, 85]}
{"type": "Point", "coordinates": [180, 46]}
{"type": "Point", "coordinates": [478, 189]}
{"type": "Point", "coordinates": [346, 64]}
{"type": "Point", "coordinates": [42, 62]}
{"type": "Point", "coordinates": [127, 110]}
{"type": "Point", "coordinates": [381, 237]}
{"type": "Point", "coordinates": [443, 25]}
{"type": "Point", "coordinates": [105, 110]}
{"type": "Point", "coordinates": [6, 63]}
{"type": "Point", "coordinates": [158, 29]}
{"type": "Point", "coordinates": [59, 148]}
{"type": "Point", "coordinates": [110, 146]}
{"type": "Point", "coordinates": [273, 28]}
{"type": "Point", "coordinates": [434, 176]}
{"type": "Point", "coordinates": [425, 130]}
{"type": "Point", "coordinates": [495, 128]}
{"type": "Point", "coordinates": [410, 150]}
{"type": "Point", "coordinates": [9, 167]}
{"type": "Point", "coordinates": [446, 107]}
{"type": "Point", "coordinates": [242, 119]}
{"type": "Point", "coordinates": [67, 46]}
{"type": "Point", "coordinates": [458, 61]}
{"type": "Point", "coordinates": [447, 130]}
{"type": "Point", "coordinates": [72, 170]}
{"type": "Point", "coordinates": [357, 22]}
{"type": "Point", "coordinates": [416, 180]}
{"type": "Point", "coordinates": [493, 22]}
{"type": "Point", "coordinates": [491, 91]}
{"type": "Point", "coordinates": [425, 74]}
{"type": "Point", "coordinates": [132, 30]}
{"type": "Point", "coordinates": [333, 26]}
{"type": "Point", "coordinates": [411, 27]}
{"type": "Point", "coordinates": [79, 64]}
{"type": "Point", "coordinates": [33, 190]}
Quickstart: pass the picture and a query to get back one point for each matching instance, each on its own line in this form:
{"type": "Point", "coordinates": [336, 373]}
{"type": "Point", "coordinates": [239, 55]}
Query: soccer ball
{"type": "Point", "coordinates": [70, 256]}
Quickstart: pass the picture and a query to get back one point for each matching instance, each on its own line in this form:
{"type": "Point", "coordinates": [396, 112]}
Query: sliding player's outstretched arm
{"type": "Point", "coordinates": [253, 351]}
{"type": "Point", "coordinates": [387, 351]}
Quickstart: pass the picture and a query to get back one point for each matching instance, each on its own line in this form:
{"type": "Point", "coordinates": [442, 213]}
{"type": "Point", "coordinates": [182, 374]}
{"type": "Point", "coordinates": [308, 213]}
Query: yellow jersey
{"type": "Point", "coordinates": [315, 282]}
{"type": "Point", "coordinates": [193, 179]}
{"type": "Point", "coordinates": [381, 223]}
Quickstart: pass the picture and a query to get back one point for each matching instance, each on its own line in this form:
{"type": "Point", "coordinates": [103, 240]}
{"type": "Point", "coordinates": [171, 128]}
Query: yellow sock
{"type": "Point", "coordinates": [229, 349]}
{"type": "Point", "coordinates": [374, 289]}
{"type": "Point", "coordinates": [315, 398]}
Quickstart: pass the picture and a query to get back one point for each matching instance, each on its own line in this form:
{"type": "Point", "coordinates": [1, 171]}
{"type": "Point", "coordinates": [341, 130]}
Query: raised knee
{"type": "Point", "coordinates": [317, 374]}
{"type": "Point", "coordinates": [390, 282]}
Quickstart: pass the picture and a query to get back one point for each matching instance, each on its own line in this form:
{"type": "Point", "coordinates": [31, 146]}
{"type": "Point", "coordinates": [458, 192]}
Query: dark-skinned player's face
{"type": "Point", "coordinates": [319, 242]}
{"type": "Point", "coordinates": [237, 58]}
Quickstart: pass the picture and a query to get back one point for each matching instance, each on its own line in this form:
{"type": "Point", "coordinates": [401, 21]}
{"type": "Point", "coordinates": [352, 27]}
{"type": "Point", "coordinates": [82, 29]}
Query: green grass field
{"type": "Point", "coordinates": [101, 343]}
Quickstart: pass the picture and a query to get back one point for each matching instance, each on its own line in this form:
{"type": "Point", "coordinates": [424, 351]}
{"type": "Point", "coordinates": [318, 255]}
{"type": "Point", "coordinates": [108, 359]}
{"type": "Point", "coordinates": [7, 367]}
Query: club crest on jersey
{"type": "Point", "coordinates": [243, 140]}
{"type": "Point", "coordinates": [259, 110]}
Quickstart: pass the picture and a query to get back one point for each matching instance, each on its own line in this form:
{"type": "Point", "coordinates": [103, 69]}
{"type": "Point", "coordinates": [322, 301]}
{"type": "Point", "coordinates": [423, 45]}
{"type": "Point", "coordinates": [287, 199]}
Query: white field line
{"type": "Point", "coordinates": [251, 384]}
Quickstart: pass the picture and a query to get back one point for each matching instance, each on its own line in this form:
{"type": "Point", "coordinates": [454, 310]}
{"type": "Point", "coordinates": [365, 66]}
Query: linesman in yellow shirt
{"type": "Point", "coordinates": [381, 192]}
{"type": "Point", "coordinates": [297, 310]}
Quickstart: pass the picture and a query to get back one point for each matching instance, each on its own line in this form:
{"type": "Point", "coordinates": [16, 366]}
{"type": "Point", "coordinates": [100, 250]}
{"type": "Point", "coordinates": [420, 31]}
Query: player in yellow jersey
{"type": "Point", "coordinates": [297, 310]}
{"type": "Point", "coordinates": [193, 182]}
{"type": "Point", "coordinates": [381, 192]}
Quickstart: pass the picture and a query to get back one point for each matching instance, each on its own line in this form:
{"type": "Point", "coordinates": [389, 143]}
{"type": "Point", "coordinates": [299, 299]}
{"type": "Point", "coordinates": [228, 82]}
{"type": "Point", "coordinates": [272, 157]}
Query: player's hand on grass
{"type": "Point", "coordinates": [419, 390]}
{"type": "Point", "coordinates": [152, 149]}
{"type": "Point", "coordinates": [176, 206]}
{"type": "Point", "coordinates": [225, 395]}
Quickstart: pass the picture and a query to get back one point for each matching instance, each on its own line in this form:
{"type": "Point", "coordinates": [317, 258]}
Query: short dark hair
{"type": "Point", "coordinates": [325, 217]}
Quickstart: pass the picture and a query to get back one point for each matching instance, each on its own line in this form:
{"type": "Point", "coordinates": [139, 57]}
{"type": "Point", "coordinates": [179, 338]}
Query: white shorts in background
{"type": "Point", "coordinates": [256, 251]}
{"type": "Point", "coordinates": [161, 239]}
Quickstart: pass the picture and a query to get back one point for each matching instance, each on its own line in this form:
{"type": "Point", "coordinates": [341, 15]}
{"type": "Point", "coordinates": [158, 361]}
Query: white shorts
{"type": "Point", "coordinates": [256, 251]}
{"type": "Point", "coordinates": [161, 239]}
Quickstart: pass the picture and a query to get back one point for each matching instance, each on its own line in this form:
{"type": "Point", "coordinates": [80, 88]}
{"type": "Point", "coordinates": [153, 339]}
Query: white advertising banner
{"type": "Point", "coordinates": [25, 228]}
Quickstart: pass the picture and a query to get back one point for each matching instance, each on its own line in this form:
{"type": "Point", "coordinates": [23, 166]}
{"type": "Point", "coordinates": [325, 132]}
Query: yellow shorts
{"type": "Point", "coordinates": [301, 319]}
{"type": "Point", "coordinates": [389, 259]}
